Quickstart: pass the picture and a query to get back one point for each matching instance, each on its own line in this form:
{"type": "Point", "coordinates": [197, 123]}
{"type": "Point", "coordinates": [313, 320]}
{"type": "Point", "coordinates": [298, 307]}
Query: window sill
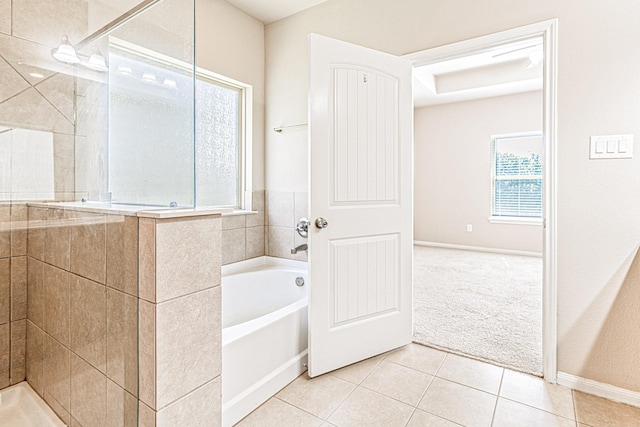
{"type": "Point", "coordinates": [238, 212]}
{"type": "Point", "coordinates": [514, 220]}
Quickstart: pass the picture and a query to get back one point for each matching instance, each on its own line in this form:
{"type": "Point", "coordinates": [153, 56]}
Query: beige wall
{"type": "Point", "coordinates": [231, 43]}
{"type": "Point", "coordinates": [453, 170]}
{"type": "Point", "coordinates": [598, 87]}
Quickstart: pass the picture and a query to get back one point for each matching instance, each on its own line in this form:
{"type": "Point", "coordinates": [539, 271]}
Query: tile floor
{"type": "Point", "coordinates": [417, 386]}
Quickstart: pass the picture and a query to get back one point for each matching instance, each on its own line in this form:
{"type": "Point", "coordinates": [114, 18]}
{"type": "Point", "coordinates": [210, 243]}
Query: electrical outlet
{"type": "Point", "coordinates": [469, 227]}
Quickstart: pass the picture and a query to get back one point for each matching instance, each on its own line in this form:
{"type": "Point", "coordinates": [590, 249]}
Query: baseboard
{"type": "Point", "coordinates": [478, 249]}
{"type": "Point", "coordinates": [599, 389]}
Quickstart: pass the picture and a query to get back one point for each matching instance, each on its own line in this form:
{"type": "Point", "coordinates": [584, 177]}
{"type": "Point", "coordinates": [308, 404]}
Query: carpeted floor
{"type": "Point", "coordinates": [483, 305]}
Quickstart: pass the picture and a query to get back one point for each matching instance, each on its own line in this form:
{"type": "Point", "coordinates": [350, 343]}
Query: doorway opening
{"type": "Point", "coordinates": [514, 67]}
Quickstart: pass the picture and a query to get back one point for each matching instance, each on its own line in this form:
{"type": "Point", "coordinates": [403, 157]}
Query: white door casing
{"type": "Point", "coordinates": [361, 182]}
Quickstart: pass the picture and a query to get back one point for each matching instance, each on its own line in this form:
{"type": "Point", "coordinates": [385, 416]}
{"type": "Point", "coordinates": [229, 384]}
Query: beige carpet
{"type": "Point", "coordinates": [483, 305]}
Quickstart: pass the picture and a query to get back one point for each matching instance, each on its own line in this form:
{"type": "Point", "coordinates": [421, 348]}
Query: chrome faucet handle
{"type": "Point", "coordinates": [302, 227]}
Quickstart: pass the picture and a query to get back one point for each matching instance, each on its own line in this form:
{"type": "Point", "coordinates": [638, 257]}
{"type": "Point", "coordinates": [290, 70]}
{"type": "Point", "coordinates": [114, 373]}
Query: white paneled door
{"type": "Point", "coordinates": [361, 197]}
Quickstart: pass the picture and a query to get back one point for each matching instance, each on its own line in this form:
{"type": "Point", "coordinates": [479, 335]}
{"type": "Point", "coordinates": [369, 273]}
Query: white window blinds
{"type": "Point", "coordinates": [517, 175]}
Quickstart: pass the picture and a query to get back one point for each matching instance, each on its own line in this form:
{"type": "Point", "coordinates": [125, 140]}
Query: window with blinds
{"type": "Point", "coordinates": [516, 188]}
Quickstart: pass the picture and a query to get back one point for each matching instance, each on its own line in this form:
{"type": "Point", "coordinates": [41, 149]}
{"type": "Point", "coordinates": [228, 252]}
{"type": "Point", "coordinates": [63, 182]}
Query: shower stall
{"type": "Point", "coordinates": [99, 231]}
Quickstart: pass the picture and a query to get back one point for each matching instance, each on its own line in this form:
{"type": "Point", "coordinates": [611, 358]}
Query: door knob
{"type": "Point", "coordinates": [321, 223]}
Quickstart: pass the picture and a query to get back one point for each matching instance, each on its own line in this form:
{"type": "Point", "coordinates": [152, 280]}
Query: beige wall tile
{"type": "Point", "coordinates": [230, 222]}
{"type": "Point", "coordinates": [254, 242]}
{"type": "Point", "coordinates": [280, 241]}
{"type": "Point", "coordinates": [44, 21]}
{"type": "Point", "coordinates": [5, 352]}
{"type": "Point", "coordinates": [122, 253]}
{"type": "Point", "coordinates": [5, 290]}
{"type": "Point", "coordinates": [63, 164]}
{"type": "Point", "coordinates": [122, 340]}
{"type": "Point", "coordinates": [57, 239]}
{"type": "Point", "coordinates": [5, 231]}
{"type": "Point", "coordinates": [301, 206]}
{"type": "Point", "coordinates": [18, 351]}
{"type": "Point", "coordinates": [280, 208]}
{"type": "Point", "coordinates": [90, 162]}
{"type": "Point", "coordinates": [147, 352]}
{"type": "Point", "coordinates": [11, 82]}
{"type": "Point", "coordinates": [89, 321]}
{"type": "Point", "coordinates": [199, 408]}
{"type": "Point", "coordinates": [188, 344]}
{"type": "Point", "coordinates": [122, 407]}
{"type": "Point", "coordinates": [18, 288]}
{"type": "Point", "coordinates": [57, 379]}
{"type": "Point", "coordinates": [146, 416]}
{"type": "Point", "coordinates": [59, 89]}
{"type": "Point", "coordinates": [233, 245]}
{"type": "Point", "coordinates": [35, 357]}
{"type": "Point", "coordinates": [5, 16]}
{"type": "Point", "coordinates": [257, 205]}
{"type": "Point", "coordinates": [188, 256]}
{"type": "Point", "coordinates": [147, 259]}
{"type": "Point", "coordinates": [36, 231]}
{"type": "Point", "coordinates": [88, 393]}
{"type": "Point", "coordinates": [298, 240]}
{"type": "Point", "coordinates": [62, 413]}
{"type": "Point", "coordinates": [30, 110]}
{"type": "Point", "coordinates": [88, 246]}
{"type": "Point", "coordinates": [35, 291]}
{"type": "Point", "coordinates": [56, 304]}
{"type": "Point", "coordinates": [18, 229]}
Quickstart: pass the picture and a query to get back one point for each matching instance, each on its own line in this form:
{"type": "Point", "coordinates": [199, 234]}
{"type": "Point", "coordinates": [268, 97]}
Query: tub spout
{"type": "Point", "coordinates": [302, 247]}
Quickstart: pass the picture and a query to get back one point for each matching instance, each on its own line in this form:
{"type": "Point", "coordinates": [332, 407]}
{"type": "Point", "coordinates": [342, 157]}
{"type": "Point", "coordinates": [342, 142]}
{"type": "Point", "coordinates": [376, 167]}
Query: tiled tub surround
{"type": "Point", "coordinates": [99, 352]}
{"type": "Point", "coordinates": [283, 210]}
{"type": "Point", "coordinates": [243, 234]}
{"type": "Point", "coordinates": [13, 293]}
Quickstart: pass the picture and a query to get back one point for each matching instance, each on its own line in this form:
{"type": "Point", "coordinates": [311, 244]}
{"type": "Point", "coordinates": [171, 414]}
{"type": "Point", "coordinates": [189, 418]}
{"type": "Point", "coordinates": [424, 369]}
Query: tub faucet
{"type": "Point", "coordinates": [302, 247]}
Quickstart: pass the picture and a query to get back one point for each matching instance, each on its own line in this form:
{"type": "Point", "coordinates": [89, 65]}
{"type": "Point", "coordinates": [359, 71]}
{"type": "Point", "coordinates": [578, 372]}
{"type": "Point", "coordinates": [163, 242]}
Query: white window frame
{"type": "Point", "coordinates": [519, 220]}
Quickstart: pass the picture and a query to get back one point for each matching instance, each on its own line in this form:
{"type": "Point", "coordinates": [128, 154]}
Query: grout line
{"type": "Point", "coordinates": [495, 405]}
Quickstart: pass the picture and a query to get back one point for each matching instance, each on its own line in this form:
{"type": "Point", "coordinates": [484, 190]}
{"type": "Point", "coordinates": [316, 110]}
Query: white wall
{"type": "Point", "coordinates": [598, 90]}
{"type": "Point", "coordinates": [231, 43]}
{"type": "Point", "coordinates": [453, 171]}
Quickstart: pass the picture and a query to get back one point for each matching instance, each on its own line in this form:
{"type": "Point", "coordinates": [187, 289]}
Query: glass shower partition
{"type": "Point", "coordinates": [135, 129]}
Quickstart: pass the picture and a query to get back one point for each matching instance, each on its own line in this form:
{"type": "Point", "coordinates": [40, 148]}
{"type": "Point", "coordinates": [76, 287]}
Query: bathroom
{"type": "Point", "coordinates": [99, 235]}
{"type": "Point", "coordinates": [233, 45]}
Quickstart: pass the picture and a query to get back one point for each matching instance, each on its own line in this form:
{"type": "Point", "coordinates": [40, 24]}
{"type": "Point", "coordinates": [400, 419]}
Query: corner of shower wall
{"type": "Point", "coordinates": [243, 236]}
{"type": "Point", "coordinates": [283, 210]}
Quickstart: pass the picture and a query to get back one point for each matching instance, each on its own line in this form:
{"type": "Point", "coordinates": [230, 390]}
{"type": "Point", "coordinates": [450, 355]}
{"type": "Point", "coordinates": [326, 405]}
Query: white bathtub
{"type": "Point", "coordinates": [264, 335]}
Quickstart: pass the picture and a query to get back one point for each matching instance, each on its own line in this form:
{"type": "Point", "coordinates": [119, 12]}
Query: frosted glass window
{"type": "Point", "coordinates": [218, 133]}
{"type": "Point", "coordinates": [517, 176]}
{"type": "Point", "coordinates": [151, 135]}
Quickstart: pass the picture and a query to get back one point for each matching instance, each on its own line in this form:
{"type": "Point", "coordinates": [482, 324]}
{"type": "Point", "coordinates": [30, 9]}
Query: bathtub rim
{"type": "Point", "coordinates": [261, 263]}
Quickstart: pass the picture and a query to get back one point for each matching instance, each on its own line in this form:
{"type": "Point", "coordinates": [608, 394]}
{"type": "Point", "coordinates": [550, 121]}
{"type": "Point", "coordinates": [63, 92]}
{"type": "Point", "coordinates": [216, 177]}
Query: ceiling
{"type": "Point", "coordinates": [504, 70]}
{"type": "Point", "coordinates": [268, 11]}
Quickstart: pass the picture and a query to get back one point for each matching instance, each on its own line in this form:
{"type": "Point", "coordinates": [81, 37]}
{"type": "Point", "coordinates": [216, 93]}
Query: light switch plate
{"type": "Point", "coordinates": [611, 147]}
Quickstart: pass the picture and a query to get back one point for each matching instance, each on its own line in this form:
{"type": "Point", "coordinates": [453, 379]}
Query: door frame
{"type": "Point", "coordinates": [548, 30]}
